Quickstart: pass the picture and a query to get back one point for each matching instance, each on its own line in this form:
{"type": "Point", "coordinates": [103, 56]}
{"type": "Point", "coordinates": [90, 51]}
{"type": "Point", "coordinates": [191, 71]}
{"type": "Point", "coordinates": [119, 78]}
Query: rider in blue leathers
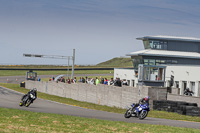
{"type": "Point", "coordinates": [142, 101]}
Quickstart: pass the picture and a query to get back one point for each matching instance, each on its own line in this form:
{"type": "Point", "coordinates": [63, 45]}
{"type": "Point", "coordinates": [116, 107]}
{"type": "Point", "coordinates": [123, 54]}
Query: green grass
{"type": "Point", "coordinates": [152, 113]}
{"type": "Point", "coordinates": [23, 72]}
{"type": "Point", "coordinates": [13, 120]}
{"type": "Point", "coordinates": [117, 62]}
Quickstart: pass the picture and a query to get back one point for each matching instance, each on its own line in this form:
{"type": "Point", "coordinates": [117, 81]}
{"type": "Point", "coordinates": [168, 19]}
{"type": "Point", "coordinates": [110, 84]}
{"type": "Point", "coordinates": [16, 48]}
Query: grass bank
{"type": "Point", "coordinates": [23, 72]}
{"type": "Point", "coordinates": [13, 120]}
{"type": "Point", "coordinates": [152, 113]}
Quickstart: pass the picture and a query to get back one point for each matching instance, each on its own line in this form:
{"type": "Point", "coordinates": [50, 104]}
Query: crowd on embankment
{"type": "Point", "coordinates": [93, 81]}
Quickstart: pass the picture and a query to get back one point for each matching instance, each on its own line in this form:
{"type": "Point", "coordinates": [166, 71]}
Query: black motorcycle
{"type": "Point", "coordinates": [27, 100]}
{"type": "Point", "coordinates": [188, 93]}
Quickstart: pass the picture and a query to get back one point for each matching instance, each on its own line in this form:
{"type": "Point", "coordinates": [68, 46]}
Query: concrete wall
{"type": "Point", "coordinates": [188, 99]}
{"type": "Point", "coordinates": [100, 94]}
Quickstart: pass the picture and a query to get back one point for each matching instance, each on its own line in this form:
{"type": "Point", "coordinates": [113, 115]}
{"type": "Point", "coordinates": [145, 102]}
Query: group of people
{"type": "Point", "coordinates": [94, 81]}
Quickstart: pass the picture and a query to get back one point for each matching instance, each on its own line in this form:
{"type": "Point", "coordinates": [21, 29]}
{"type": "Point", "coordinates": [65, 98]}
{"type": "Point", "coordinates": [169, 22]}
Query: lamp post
{"type": "Point", "coordinates": [56, 57]}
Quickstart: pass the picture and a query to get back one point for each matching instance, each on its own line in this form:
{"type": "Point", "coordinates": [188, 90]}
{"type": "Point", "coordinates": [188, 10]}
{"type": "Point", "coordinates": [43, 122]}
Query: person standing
{"type": "Point", "coordinates": [83, 80]}
{"type": "Point", "coordinates": [74, 80]}
{"type": "Point", "coordinates": [97, 81]}
{"type": "Point", "coordinates": [102, 80]}
{"type": "Point", "coordinates": [80, 80]}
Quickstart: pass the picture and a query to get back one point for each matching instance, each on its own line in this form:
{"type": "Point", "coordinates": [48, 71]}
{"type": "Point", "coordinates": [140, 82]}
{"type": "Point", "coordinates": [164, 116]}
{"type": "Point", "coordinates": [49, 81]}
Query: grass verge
{"type": "Point", "coordinates": [23, 72]}
{"type": "Point", "coordinates": [152, 113]}
{"type": "Point", "coordinates": [13, 120]}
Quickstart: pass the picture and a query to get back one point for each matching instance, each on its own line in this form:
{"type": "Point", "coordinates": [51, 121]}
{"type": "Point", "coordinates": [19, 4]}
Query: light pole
{"type": "Point", "coordinates": [56, 57]}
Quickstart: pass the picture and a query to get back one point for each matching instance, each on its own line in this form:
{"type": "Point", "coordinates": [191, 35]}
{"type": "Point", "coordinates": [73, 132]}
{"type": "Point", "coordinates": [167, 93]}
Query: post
{"type": "Point", "coordinates": [68, 67]}
{"type": "Point", "coordinates": [73, 62]}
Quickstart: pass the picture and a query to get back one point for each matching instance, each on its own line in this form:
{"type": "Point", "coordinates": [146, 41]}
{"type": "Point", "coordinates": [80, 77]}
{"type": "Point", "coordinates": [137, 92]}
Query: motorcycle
{"type": "Point", "coordinates": [140, 111]}
{"type": "Point", "coordinates": [27, 100]}
{"type": "Point", "coordinates": [188, 93]}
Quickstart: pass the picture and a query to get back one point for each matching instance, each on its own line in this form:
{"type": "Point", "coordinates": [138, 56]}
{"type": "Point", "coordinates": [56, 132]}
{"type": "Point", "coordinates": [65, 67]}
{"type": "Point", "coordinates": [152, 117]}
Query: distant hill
{"type": "Point", "coordinates": [117, 62]}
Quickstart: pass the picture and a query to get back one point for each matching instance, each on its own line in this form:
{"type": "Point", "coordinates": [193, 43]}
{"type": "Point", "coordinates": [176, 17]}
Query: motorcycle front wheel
{"type": "Point", "coordinates": [143, 114]}
{"type": "Point", "coordinates": [21, 104]}
{"type": "Point", "coordinates": [28, 103]}
{"type": "Point", "coordinates": [128, 113]}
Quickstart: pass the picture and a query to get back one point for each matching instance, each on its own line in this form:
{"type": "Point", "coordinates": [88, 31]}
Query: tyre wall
{"type": "Point", "coordinates": [182, 108]}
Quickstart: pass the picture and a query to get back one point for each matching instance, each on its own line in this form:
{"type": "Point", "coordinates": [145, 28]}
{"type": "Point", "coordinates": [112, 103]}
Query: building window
{"type": "Point", "coordinates": [154, 74]}
{"type": "Point", "coordinates": [155, 44]}
{"type": "Point", "coordinates": [158, 62]}
{"type": "Point", "coordinates": [146, 73]}
{"type": "Point", "coordinates": [149, 73]}
{"type": "Point", "coordinates": [146, 44]}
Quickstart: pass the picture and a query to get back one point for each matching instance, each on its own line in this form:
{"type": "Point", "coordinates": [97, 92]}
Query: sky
{"type": "Point", "coordinates": [98, 30]}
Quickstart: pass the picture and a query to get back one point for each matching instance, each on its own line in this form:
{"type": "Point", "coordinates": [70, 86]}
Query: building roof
{"type": "Point", "coordinates": [175, 38]}
{"type": "Point", "coordinates": [165, 53]}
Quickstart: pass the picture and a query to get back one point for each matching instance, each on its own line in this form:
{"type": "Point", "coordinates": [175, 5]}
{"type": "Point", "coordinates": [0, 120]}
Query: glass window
{"type": "Point", "coordinates": [154, 73]}
{"type": "Point", "coordinates": [140, 72]}
{"type": "Point", "coordinates": [174, 61]}
{"type": "Point", "coordinates": [155, 44]}
{"type": "Point", "coordinates": [146, 44]}
{"type": "Point", "coordinates": [161, 74]}
{"type": "Point", "coordinates": [146, 73]}
{"type": "Point", "coordinates": [162, 62]}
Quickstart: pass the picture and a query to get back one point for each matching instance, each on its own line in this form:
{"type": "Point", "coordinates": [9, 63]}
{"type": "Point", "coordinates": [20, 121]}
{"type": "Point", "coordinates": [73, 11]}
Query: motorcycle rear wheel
{"type": "Point", "coordinates": [143, 114]}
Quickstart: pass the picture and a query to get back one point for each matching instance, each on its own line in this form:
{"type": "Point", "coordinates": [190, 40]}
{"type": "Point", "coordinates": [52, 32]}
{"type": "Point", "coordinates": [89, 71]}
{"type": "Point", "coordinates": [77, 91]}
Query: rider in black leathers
{"type": "Point", "coordinates": [33, 92]}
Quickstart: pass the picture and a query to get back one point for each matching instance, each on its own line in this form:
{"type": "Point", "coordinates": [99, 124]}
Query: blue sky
{"type": "Point", "coordinates": [98, 29]}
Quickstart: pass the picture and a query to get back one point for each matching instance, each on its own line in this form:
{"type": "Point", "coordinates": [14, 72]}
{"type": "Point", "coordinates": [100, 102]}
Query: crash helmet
{"type": "Point", "coordinates": [146, 98]}
{"type": "Point", "coordinates": [34, 89]}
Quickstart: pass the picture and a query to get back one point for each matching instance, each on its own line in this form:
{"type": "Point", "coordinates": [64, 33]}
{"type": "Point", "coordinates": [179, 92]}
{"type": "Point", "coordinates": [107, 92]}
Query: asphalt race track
{"type": "Point", "coordinates": [11, 99]}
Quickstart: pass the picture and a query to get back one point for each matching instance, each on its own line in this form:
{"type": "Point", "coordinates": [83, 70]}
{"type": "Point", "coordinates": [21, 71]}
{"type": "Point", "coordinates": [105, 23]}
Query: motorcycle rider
{"type": "Point", "coordinates": [33, 92]}
{"type": "Point", "coordinates": [142, 101]}
{"type": "Point", "coordinates": [188, 92]}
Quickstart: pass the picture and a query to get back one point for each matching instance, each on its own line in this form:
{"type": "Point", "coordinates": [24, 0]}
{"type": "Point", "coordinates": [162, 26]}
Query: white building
{"type": "Point", "coordinates": [166, 61]}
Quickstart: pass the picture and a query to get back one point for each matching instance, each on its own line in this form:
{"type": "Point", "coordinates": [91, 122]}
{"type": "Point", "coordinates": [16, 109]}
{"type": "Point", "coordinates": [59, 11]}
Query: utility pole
{"type": "Point", "coordinates": [73, 62]}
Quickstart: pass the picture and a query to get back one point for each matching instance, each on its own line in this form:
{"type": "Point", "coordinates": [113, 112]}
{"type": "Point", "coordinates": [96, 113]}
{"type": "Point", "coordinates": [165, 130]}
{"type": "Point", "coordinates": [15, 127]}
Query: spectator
{"type": "Point", "coordinates": [124, 82]}
{"type": "Point", "coordinates": [92, 81]}
{"type": "Point", "coordinates": [74, 81]}
{"type": "Point", "coordinates": [111, 81]}
{"type": "Point", "coordinates": [102, 80]}
{"type": "Point", "coordinates": [105, 81]}
{"type": "Point", "coordinates": [83, 80]}
{"type": "Point", "coordinates": [86, 79]}
{"type": "Point", "coordinates": [80, 80]}
{"type": "Point", "coordinates": [118, 82]}
{"type": "Point", "coordinates": [68, 81]}
{"type": "Point", "coordinates": [62, 80]}
{"type": "Point", "coordinates": [97, 81]}
{"type": "Point", "coordinates": [39, 79]}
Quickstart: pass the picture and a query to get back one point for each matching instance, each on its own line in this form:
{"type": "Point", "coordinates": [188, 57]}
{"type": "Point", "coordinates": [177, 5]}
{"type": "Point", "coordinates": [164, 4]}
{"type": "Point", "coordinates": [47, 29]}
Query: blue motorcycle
{"type": "Point", "coordinates": [140, 111]}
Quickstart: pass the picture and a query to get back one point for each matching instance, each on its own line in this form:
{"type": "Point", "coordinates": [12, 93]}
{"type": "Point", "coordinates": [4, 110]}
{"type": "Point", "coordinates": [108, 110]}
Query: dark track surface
{"type": "Point", "coordinates": [11, 99]}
